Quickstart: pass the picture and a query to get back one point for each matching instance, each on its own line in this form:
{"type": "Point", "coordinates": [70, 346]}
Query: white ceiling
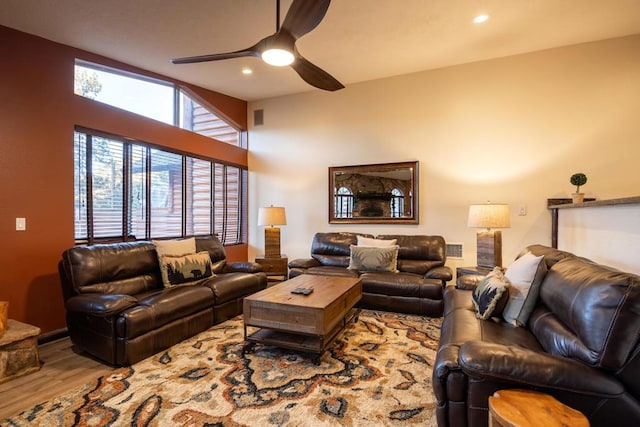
{"type": "Point", "coordinates": [358, 40]}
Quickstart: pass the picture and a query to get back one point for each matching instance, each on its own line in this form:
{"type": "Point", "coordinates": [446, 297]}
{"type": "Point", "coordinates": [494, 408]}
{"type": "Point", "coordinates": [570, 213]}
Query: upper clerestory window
{"type": "Point", "coordinates": [152, 98]}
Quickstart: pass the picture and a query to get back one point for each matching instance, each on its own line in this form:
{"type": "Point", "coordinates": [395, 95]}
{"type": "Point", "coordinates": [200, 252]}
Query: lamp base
{"type": "Point", "coordinates": [489, 251]}
{"type": "Point", "coordinates": [272, 242]}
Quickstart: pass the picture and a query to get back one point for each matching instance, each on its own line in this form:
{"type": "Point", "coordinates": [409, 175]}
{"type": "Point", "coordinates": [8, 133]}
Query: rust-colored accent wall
{"type": "Point", "coordinates": [38, 113]}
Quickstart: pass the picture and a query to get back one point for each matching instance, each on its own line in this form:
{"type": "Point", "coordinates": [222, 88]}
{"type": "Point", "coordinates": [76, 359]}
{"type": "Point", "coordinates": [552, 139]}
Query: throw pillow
{"type": "Point", "coordinates": [378, 243]}
{"type": "Point", "coordinates": [368, 258]}
{"type": "Point", "coordinates": [490, 294]}
{"type": "Point", "coordinates": [175, 247]}
{"type": "Point", "coordinates": [177, 270]}
{"type": "Point", "coordinates": [525, 275]}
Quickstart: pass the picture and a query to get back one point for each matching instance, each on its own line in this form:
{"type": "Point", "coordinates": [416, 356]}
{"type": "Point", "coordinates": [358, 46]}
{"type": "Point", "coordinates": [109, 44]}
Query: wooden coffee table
{"type": "Point", "coordinates": [308, 323]}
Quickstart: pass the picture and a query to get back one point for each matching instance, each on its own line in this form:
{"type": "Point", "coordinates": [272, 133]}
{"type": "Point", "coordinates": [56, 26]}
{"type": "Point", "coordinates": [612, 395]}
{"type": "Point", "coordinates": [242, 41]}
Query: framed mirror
{"type": "Point", "coordinates": [385, 193]}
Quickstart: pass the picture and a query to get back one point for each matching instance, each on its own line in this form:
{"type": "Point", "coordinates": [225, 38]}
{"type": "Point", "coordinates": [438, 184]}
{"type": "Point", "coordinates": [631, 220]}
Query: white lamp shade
{"type": "Point", "coordinates": [272, 215]}
{"type": "Point", "coordinates": [489, 215]}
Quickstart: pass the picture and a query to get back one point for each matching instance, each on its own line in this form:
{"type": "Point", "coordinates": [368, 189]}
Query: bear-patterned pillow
{"type": "Point", "coordinates": [178, 270]}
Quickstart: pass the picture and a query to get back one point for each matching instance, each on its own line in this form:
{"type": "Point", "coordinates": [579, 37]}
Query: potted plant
{"type": "Point", "coordinates": [578, 179]}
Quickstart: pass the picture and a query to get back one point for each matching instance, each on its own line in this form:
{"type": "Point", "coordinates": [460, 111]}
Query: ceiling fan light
{"type": "Point", "coordinates": [277, 57]}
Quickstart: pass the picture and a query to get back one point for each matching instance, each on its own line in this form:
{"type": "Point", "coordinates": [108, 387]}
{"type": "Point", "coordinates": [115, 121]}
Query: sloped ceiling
{"type": "Point", "coordinates": [358, 40]}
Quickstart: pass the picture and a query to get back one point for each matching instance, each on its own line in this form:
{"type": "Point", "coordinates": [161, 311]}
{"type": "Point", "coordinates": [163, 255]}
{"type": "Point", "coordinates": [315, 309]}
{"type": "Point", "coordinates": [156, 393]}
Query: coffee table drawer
{"type": "Point", "coordinates": [283, 317]}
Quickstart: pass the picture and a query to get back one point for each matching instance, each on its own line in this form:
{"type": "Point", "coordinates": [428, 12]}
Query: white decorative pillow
{"type": "Point", "coordinates": [491, 294]}
{"type": "Point", "coordinates": [369, 258]}
{"type": "Point", "coordinates": [376, 243]}
{"type": "Point", "coordinates": [177, 270]}
{"type": "Point", "coordinates": [525, 275]}
{"type": "Point", "coordinates": [175, 247]}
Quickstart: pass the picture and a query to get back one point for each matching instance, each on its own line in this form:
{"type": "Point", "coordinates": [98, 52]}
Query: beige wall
{"type": "Point", "coordinates": [508, 130]}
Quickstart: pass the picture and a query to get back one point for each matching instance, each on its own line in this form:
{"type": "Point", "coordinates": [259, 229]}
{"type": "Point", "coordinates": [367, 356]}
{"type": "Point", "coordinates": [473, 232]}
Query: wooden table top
{"type": "Point", "coordinates": [326, 289]}
{"type": "Point", "coordinates": [523, 408]}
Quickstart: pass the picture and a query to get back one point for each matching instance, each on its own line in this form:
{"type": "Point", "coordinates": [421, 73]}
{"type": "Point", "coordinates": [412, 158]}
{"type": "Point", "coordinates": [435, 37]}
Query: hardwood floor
{"type": "Point", "coordinates": [62, 370]}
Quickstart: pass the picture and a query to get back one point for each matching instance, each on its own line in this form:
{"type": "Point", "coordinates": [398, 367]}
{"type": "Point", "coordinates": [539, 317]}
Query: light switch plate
{"type": "Point", "coordinates": [21, 224]}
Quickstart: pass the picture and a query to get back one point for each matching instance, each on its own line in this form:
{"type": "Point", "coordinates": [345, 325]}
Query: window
{"type": "Point", "coordinates": [344, 203]}
{"type": "Point", "coordinates": [397, 203]}
{"type": "Point", "coordinates": [125, 189]}
{"type": "Point", "coordinates": [151, 98]}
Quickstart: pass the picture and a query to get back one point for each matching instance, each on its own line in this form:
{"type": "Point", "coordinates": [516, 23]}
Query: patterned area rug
{"type": "Point", "coordinates": [377, 373]}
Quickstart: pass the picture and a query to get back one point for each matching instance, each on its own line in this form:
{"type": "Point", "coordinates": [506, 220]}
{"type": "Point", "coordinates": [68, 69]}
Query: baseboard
{"type": "Point", "coordinates": [52, 335]}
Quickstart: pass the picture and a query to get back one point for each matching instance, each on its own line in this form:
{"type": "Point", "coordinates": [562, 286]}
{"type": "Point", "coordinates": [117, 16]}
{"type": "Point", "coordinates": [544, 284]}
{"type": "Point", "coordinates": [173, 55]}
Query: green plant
{"type": "Point", "coordinates": [578, 179]}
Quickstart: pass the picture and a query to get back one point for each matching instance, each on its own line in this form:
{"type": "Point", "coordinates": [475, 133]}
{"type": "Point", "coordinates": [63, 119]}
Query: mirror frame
{"type": "Point", "coordinates": [371, 169]}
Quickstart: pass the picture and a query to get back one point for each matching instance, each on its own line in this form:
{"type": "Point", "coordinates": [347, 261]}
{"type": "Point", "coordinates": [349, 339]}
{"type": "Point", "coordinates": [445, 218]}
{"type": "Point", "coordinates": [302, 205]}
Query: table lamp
{"type": "Point", "coordinates": [489, 241]}
{"type": "Point", "coordinates": [269, 217]}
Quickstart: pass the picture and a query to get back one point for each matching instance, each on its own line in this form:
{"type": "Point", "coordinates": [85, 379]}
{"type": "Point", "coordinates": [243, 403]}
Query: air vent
{"type": "Point", "coordinates": [454, 250]}
{"type": "Point", "coordinates": [258, 117]}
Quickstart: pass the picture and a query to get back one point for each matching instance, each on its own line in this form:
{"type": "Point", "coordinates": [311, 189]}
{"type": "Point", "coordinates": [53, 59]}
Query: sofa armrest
{"type": "Point", "coordinates": [443, 273]}
{"type": "Point", "coordinates": [304, 263]}
{"type": "Point", "coordinates": [242, 267]}
{"type": "Point", "coordinates": [469, 281]}
{"type": "Point", "coordinates": [526, 367]}
{"type": "Point", "coordinates": [102, 305]}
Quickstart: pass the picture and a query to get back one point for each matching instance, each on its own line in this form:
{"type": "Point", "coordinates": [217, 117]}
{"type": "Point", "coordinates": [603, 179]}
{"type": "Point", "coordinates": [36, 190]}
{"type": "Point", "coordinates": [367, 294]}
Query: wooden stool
{"type": "Point", "coordinates": [522, 408]}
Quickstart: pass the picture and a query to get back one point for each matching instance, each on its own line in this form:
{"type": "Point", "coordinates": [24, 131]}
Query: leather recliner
{"type": "Point", "coordinates": [415, 288]}
{"type": "Point", "coordinates": [119, 311]}
{"type": "Point", "coordinates": [581, 345]}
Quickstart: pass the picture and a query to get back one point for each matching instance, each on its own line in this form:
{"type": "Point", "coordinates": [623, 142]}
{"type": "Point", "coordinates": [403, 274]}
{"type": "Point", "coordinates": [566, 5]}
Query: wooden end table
{"type": "Point", "coordinates": [308, 323]}
{"type": "Point", "coordinates": [276, 268]}
{"type": "Point", "coordinates": [523, 408]}
{"type": "Point", "coordinates": [462, 271]}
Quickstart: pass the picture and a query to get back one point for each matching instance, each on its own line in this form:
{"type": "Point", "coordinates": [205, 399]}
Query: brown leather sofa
{"type": "Point", "coordinates": [415, 288]}
{"type": "Point", "coordinates": [119, 311]}
{"type": "Point", "coordinates": [581, 345]}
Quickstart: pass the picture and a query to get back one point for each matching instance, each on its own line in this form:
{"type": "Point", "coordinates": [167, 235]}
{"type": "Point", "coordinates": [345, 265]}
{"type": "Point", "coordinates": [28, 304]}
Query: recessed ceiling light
{"type": "Point", "coordinates": [247, 71]}
{"type": "Point", "coordinates": [480, 19]}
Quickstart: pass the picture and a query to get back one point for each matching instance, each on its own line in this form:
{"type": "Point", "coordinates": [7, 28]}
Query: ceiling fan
{"type": "Point", "coordinates": [279, 49]}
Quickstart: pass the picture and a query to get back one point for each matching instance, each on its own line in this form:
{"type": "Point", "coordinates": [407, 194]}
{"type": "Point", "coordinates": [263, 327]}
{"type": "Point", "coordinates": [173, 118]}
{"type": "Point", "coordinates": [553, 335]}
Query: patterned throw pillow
{"type": "Point", "coordinates": [378, 243]}
{"type": "Point", "coordinates": [369, 258]}
{"type": "Point", "coordinates": [177, 270]}
{"type": "Point", "coordinates": [491, 294]}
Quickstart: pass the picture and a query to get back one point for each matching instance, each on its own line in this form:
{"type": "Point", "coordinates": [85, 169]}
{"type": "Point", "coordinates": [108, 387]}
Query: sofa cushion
{"type": "Point", "coordinates": [120, 268]}
{"type": "Point", "coordinates": [214, 246]}
{"type": "Point", "coordinates": [334, 249]}
{"type": "Point", "coordinates": [185, 269]}
{"type": "Point", "coordinates": [418, 254]}
{"type": "Point", "coordinates": [369, 258]}
{"type": "Point", "coordinates": [491, 294]}
{"type": "Point", "coordinates": [231, 286]}
{"type": "Point", "coordinates": [591, 313]}
{"type": "Point", "coordinates": [401, 284]}
{"type": "Point", "coordinates": [157, 309]}
{"type": "Point", "coordinates": [525, 276]}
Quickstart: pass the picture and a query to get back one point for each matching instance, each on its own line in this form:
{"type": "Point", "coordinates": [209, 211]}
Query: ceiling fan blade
{"type": "Point", "coordinates": [315, 76]}
{"type": "Point", "coordinates": [250, 51]}
{"type": "Point", "coordinates": [304, 15]}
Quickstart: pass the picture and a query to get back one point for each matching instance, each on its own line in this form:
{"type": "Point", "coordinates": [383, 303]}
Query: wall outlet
{"type": "Point", "coordinates": [21, 224]}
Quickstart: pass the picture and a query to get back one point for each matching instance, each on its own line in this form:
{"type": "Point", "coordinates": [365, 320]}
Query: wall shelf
{"type": "Point", "coordinates": [556, 204]}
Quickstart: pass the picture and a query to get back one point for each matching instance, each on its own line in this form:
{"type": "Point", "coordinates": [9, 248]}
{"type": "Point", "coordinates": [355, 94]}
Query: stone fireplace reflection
{"type": "Point", "coordinates": [372, 205]}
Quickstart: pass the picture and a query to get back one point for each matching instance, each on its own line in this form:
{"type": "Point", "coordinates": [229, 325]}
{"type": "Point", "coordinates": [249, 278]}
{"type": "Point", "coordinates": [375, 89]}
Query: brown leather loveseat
{"type": "Point", "coordinates": [119, 311]}
{"type": "Point", "coordinates": [581, 344]}
{"type": "Point", "coordinates": [415, 288]}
